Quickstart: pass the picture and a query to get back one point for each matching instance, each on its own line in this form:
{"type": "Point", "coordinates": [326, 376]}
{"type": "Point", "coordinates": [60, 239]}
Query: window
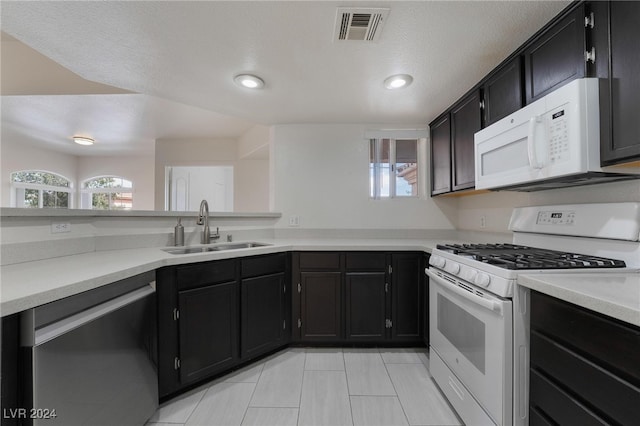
{"type": "Point", "coordinates": [107, 193]}
{"type": "Point", "coordinates": [40, 189]}
{"type": "Point", "coordinates": [393, 168]}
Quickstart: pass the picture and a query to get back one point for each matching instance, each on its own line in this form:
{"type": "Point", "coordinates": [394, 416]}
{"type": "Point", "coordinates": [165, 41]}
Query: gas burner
{"type": "Point", "coordinates": [517, 257]}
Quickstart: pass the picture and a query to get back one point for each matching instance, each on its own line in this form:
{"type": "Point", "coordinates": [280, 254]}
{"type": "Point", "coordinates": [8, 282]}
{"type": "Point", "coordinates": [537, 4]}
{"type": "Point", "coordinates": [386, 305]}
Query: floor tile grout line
{"type": "Point", "coordinates": [255, 386]}
{"type": "Point", "coordinates": [397, 396]}
{"type": "Point", "coordinates": [304, 364]}
{"type": "Point", "coordinates": [198, 403]}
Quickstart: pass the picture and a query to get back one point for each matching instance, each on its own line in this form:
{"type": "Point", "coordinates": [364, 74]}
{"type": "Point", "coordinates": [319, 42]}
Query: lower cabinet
{"type": "Point", "coordinates": [263, 314]}
{"type": "Point", "coordinates": [349, 297]}
{"type": "Point", "coordinates": [208, 326]}
{"type": "Point", "coordinates": [584, 366]}
{"type": "Point", "coordinates": [215, 315]}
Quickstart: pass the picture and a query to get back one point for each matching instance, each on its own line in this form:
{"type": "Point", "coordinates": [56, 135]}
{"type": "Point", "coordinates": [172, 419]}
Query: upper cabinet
{"type": "Point", "coordinates": [587, 39]}
{"type": "Point", "coordinates": [615, 35]}
{"type": "Point", "coordinates": [556, 56]}
{"type": "Point", "coordinates": [452, 149]}
{"type": "Point", "coordinates": [503, 91]}
{"type": "Point", "coordinates": [466, 120]}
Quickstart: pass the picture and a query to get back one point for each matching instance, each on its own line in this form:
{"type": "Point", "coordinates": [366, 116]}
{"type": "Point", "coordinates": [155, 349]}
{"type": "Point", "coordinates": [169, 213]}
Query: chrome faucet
{"type": "Point", "coordinates": [203, 219]}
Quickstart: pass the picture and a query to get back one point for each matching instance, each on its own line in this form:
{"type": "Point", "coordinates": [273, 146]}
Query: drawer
{"type": "Point", "coordinates": [324, 261]}
{"type": "Point", "coordinates": [200, 274]}
{"type": "Point", "coordinates": [263, 265]}
{"type": "Point", "coordinates": [547, 398]}
{"type": "Point", "coordinates": [589, 383]}
{"type": "Point", "coordinates": [366, 261]}
{"type": "Point", "coordinates": [605, 341]}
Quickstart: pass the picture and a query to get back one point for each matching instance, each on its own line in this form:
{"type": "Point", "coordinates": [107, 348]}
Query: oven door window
{"type": "Point", "coordinates": [463, 330]}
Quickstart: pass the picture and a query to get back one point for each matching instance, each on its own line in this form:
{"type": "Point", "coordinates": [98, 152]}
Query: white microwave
{"type": "Point", "coordinates": [551, 143]}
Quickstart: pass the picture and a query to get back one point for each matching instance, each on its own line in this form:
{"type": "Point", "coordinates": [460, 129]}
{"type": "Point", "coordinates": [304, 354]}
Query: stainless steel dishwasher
{"type": "Point", "coordinates": [90, 359]}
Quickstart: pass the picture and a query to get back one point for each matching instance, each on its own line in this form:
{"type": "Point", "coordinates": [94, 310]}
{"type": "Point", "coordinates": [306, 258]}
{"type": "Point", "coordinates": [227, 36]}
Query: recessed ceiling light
{"type": "Point", "coordinates": [249, 81]}
{"type": "Point", "coordinates": [398, 81]}
{"type": "Point", "coordinates": [81, 140]}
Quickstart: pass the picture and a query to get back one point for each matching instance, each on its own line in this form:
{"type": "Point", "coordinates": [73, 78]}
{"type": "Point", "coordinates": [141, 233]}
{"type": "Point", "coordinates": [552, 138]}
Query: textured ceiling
{"type": "Point", "coordinates": [189, 52]}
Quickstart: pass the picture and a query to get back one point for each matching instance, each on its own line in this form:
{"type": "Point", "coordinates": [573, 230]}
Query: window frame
{"type": "Point", "coordinates": [18, 189]}
{"type": "Point", "coordinates": [86, 194]}
{"type": "Point", "coordinates": [375, 169]}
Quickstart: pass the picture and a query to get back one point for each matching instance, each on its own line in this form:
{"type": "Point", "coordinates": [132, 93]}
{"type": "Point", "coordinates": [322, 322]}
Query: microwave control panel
{"type": "Point", "coordinates": [556, 218]}
{"type": "Point", "coordinates": [558, 137]}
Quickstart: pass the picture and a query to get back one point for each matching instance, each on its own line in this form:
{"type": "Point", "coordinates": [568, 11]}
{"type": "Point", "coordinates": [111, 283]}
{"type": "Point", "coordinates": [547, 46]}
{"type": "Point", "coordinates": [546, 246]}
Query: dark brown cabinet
{"type": "Point", "coordinates": [208, 329]}
{"type": "Point", "coordinates": [10, 374]}
{"type": "Point", "coordinates": [452, 146]}
{"type": "Point", "coordinates": [358, 297]}
{"type": "Point", "coordinates": [615, 34]}
{"type": "Point", "coordinates": [440, 131]}
{"type": "Point", "coordinates": [502, 91]}
{"type": "Point", "coordinates": [466, 120]}
{"type": "Point", "coordinates": [584, 366]}
{"type": "Point", "coordinates": [367, 287]}
{"type": "Point", "coordinates": [556, 56]}
{"type": "Point", "coordinates": [406, 285]}
{"type": "Point", "coordinates": [263, 308]}
{"type": "Point", "coordinates": [214, 315]}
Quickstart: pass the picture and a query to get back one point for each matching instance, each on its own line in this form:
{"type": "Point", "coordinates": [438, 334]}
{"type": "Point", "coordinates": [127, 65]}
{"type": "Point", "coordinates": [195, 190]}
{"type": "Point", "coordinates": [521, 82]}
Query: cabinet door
{"type": "Point", "coordinates": [262, 314]}
{"type": "Point", "coordinates": [208, 330]}
{"type": "Point", "coordinates": [365, 306]}
{"type": "Point", "coordinates": [622, 144]}
{"type": "Point", "coordinates": [441, 156]}
{"type": "Point", "coordinates": [466, 120]}
{"type": "Point", "coordinates": [556, 57]}
{"type": "Point", "coordinates": [320, 307]}
{"type": "Point", "coordinates": [503, 92]}
{"type": "Point", "coordinates": [406, 284]}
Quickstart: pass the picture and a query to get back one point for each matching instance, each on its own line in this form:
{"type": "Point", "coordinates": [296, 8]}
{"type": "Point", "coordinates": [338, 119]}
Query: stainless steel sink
{"type": "Point", "coordinates": [213, 247]}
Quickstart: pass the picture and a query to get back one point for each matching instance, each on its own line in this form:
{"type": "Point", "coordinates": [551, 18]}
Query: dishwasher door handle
{"type": "Point", "coordinates": [58, 328]}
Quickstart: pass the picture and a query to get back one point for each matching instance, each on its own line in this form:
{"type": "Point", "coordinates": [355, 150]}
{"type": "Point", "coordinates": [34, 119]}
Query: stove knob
{"type": "Point", "coordinates": [437, 261]}
{"type": "Point", "coordinates": [472, 275]}
{"type": "Point", "coordinates": [453, 268]}
{"type": "Point", "coordinates": [482, 279]}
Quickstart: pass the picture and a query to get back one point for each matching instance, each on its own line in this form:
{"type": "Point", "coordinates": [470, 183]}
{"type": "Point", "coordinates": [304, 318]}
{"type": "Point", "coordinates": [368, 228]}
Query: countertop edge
{"type": "Point", "coordinates": [592, 302]}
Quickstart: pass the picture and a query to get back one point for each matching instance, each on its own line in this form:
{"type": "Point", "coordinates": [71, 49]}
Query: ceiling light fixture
{"type": "Point", "coordinates": [398, 81]}
{"type": "Point", "coordinates": [81, 140]}
{"type": "Point", "coordinates": [249, 81]}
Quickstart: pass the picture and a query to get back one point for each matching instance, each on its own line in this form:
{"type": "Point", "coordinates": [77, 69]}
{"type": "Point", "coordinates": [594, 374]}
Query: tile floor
{"type": "Point", "coordinates": [313, 386]}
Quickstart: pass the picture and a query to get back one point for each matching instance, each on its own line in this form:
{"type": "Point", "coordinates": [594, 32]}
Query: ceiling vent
{"type": "Point", "coordinates": [364, 24]}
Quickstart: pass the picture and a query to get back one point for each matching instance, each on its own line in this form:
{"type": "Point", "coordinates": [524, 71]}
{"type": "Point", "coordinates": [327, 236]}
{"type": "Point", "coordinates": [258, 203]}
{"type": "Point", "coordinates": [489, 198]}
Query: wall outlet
{"type": "Point", "coordinates": [57, 228]}
{"type": "Point", "coordinates": [483, 221]}
{"type": "Point", "coordinates": [294, 220]}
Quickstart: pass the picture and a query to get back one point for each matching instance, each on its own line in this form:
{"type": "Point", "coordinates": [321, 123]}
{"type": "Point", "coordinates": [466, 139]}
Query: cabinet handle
{"type": "Point", "coordinates": [590, 55]}
{"type": "Point", "coordinates": [299, 288]}
{"type": "Point", "coordinates": [299, 323]}
{"type": "Point", "coordinates": [176, 314]}
{"type": "Point", "coordinates": [482, 104]}
{"type": "Point", "coordinates": [589, 21]}
{"type": "Point", "coordinates": [176, 363]}
{"type": "Point", "coordinates": [284, 324]}
{"type": "Point", "coordinates": [386, 287]}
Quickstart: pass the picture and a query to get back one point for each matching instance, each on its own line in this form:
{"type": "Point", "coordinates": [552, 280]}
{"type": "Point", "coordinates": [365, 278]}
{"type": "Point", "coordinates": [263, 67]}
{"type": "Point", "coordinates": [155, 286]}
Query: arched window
{"type": "Point", "coordinates": [107, 193]}
{"type": "Point", "coordinates": [40, 189]}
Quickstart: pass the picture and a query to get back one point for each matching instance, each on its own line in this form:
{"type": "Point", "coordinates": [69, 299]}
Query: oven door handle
{"type": "Point", "coordinates": [489, 304]}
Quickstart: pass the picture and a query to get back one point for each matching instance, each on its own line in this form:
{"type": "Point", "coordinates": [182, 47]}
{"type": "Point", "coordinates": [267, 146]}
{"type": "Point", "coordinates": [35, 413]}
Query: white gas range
{"type": "Point", "coordinates": [479, 316]}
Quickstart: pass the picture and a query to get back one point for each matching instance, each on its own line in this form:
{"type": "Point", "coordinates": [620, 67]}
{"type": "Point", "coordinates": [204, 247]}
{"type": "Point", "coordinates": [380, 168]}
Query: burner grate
{"type": "Point", "coordinates": [511, 256]}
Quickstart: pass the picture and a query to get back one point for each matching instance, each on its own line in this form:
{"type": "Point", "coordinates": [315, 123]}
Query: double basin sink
{"type": "Point", "coordinates": [213, 247]}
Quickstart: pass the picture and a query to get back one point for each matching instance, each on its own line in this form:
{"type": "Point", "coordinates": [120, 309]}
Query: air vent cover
{"type": "Point", "coordinates": [363, 24]}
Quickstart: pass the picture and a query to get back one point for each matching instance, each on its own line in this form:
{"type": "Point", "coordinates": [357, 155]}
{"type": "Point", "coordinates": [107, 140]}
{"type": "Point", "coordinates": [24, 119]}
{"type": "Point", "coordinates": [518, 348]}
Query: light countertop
{"type": "Point", "coordinates": [30, 284]}
{"type": "Point", "coordinates": [615, 294]}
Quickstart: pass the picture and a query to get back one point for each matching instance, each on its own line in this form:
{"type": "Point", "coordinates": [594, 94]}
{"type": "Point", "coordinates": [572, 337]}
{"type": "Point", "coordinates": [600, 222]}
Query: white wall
{"type": "Point", "coordinates": [16, 156]}
{"type": "Point", "coordinates": [254, 143]}
{"type": "Point", "coordinates": [497, 206]}
{"type": "Point", "coordinates": [250, 176]}
{"type": "Point", "coordinates": [320, 173]}
{"type": "Point", "coordinates": [138, 169]}
{"type": "Point", "coordinates": [20, 156]}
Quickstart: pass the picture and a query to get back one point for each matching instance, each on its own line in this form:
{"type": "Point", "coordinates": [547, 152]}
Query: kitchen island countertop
{"type": "Point", "coordinates": [615, 294]}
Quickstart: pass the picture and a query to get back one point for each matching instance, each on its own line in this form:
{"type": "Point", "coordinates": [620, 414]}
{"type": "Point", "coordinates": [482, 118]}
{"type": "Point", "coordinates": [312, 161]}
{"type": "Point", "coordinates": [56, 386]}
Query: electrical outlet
{"type": "Point", "coordinates": [483, 221]}
{"type": "Point", "coordinates": [57, 228]}
{"type": "Point", "coordinates": [294, 220]}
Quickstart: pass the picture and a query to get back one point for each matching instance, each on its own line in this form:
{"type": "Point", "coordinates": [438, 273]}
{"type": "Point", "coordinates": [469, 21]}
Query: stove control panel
{"type": "Point", "coordinates": [562, 218]}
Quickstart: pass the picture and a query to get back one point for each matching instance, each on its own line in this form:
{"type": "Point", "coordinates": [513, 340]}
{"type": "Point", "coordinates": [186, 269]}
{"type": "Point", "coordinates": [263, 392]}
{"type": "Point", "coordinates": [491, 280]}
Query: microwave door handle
{"type": "Point", "coordinates": [488, 304]}
{"type": "Point", "coordinates": [531, 146]}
